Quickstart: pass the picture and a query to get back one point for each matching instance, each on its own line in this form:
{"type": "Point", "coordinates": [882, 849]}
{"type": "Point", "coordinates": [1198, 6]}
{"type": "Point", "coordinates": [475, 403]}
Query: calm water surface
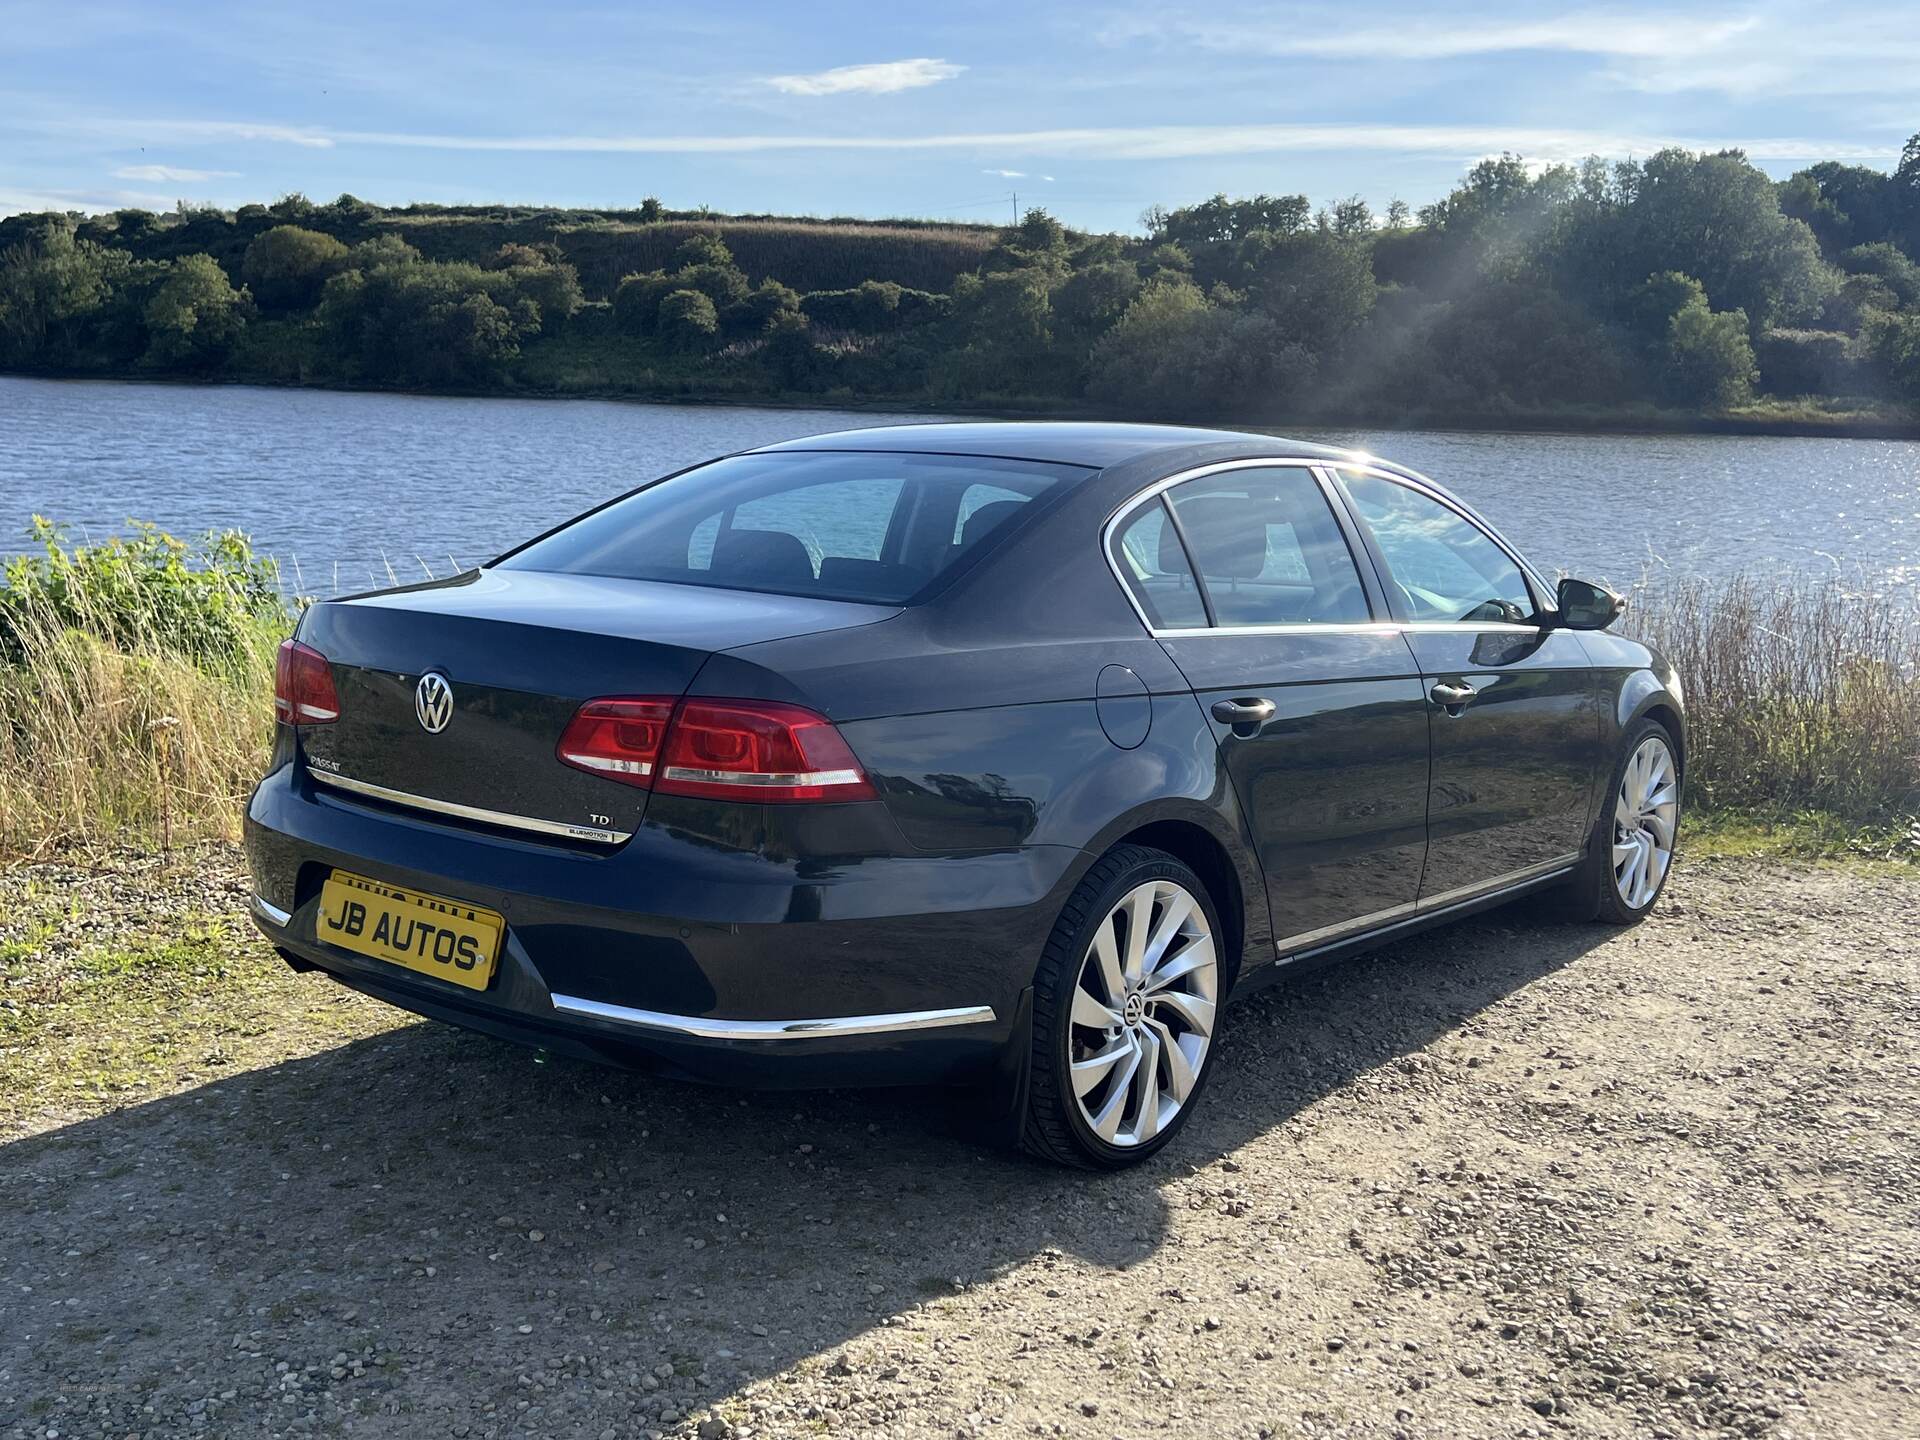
{"type": "Point", "coordinates": [341, 486]}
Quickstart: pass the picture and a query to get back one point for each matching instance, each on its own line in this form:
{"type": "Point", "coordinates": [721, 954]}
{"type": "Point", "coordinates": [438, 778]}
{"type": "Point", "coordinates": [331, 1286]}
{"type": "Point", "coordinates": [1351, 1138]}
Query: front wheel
{"type": "Point", "coordinates": [1631, 850]}
{"type": "Point", "coordinates": [1125, 1007]}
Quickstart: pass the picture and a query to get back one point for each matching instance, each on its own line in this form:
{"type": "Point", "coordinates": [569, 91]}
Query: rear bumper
{"type": "Point", "coordinates": [673, 953]}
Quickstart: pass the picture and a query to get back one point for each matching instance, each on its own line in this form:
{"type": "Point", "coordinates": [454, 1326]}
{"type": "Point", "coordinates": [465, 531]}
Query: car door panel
{"type": "Point", "coordinates": [1329, 761]}
{"type": "Point", "coordinates": [1334, 782]}
{"type": "Point", "coordinates": [1513, 768]}
{"type": "Point", "coordinates": [1513, 760]}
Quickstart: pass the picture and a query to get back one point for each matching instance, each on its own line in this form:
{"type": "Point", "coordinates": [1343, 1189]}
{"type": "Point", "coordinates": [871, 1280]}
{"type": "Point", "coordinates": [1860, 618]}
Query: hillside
{"type": "Point", "coordinates": [602, 245]}
{"type": "Point", "coordinates": [1688, 289]}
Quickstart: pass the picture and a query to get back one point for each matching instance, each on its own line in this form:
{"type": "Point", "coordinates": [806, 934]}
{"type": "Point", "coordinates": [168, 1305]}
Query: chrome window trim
{"type": "Point", "coordinates": [1306, 939]}
{"type": "Point", "coordinates": [1346, 627]}
{"type": "Point", "coordinates": [1326, 470]}
{"type": "Point", "coordinates": [502, 818]}
{"type": "Point", "coordinates": [827, 1028]}
{"type": "Point", "coordinates": [1159, 487]}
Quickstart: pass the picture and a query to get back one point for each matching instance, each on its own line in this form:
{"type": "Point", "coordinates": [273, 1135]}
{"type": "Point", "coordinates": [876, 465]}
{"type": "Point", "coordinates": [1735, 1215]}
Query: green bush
{"type": "Point", "coordinates": [286, 266]}
{"type": "Point", "coordinates": [1176, 355]}
{"type": "Point", "coordinates": [195, 316]}
{"type": "Point", "coordinates": [202, 600]}
{"type": "Point", "coordinates": [688, 319]}
{"type": "Point", "coordinates": [1808, 362]}
{"type": "Point", "coordinates": [1709, 360]}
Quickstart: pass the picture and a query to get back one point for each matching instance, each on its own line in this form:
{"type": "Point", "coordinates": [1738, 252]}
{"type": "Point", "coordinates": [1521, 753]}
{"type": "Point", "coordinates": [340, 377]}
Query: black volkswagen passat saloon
{"type": "Point", "coordinates": [999, 753]}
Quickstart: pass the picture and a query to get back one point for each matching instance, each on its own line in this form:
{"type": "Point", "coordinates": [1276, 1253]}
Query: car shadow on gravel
{"type": "Point", "coordinates": [463, 1220]}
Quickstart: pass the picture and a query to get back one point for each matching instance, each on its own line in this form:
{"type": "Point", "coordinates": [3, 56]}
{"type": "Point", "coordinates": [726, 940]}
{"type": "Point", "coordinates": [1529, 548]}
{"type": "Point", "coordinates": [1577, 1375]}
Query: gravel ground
{"type": "Point", "coordinates": [1505, 1179]}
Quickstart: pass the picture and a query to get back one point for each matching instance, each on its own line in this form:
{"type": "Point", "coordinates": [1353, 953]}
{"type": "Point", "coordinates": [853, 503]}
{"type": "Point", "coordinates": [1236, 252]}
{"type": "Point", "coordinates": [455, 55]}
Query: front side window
{"type": "Point", "coordinates": [1444, 566]}
{"type": "Point", "coordinates": [838, 525]}
{"type": "Point", "coordinates": [1268, 548]}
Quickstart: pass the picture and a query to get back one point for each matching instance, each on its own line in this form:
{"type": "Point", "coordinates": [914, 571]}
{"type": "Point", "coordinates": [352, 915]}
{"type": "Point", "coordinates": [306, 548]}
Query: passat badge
{"type": "Point", "coordinates": [433, 702]}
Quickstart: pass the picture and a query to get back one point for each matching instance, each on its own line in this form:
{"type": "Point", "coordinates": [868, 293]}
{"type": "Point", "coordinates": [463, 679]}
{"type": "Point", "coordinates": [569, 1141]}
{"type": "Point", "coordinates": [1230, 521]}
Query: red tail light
{"type": "Point", "coordinates": [303, 692]}
{"type": "Point", "coordinates": [619, 739]}
{"type": "Point", "coordinates": [720, 749]}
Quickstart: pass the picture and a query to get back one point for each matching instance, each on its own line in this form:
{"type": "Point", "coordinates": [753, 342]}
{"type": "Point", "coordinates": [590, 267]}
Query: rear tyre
{"type": "Point", "coordinates": [1630, 853]}
{"type": "Point", "coordinates": [1125, 1007]}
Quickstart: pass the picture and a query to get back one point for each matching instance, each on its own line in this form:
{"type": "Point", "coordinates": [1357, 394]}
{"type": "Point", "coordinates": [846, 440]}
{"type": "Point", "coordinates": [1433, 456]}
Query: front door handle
{"type": "Point", "coordinates": [1452, 698]}
{"type": "Point", "coordinates": [1256, 710]}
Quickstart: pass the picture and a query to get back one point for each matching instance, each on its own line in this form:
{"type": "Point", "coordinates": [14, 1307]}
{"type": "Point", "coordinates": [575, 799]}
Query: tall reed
{"type": "Point", "coordinates": [1802, 695]}
{"type": "Point", "coordinates": [136, 688]}
{"type": "Point", "coordinates": [136, 682]}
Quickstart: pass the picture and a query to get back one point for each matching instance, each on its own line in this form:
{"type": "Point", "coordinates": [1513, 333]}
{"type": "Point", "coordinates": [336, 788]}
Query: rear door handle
{"type": "Point", "coordinates": [1256, 710]}
{"type": "Point", "coordinates": [1452, 697]}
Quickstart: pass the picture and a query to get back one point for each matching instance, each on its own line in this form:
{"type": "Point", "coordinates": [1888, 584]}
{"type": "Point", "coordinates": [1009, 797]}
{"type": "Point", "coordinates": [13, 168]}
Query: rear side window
{"type": "Point", "coordinates": [838, 525]}
{"type": "Point", "coordinates": [1268, 548]}
{"type": "Point", "coordinates": [1148, 551]}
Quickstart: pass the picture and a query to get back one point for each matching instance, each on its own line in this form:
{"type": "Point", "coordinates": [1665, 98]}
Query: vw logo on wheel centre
{"type": "Point", "coordinates": [433, 702]}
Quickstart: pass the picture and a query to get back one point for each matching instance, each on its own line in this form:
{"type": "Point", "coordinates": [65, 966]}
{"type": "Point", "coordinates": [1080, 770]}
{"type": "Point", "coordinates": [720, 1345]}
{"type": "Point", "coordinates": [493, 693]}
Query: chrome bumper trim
{"type": "Point", "coordinates": [699, 1028]}
{"type": "Point", "coordinates": [269, 912]}
{"type": "Point", "coordinates": [471, 812]}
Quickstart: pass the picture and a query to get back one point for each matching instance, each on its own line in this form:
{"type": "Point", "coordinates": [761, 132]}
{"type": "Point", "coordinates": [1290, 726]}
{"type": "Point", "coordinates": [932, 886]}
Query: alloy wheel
{"type": "Point", "coordinates": [1645, 814]}
{"type": "Point", "coordinates": [1143, 1013]}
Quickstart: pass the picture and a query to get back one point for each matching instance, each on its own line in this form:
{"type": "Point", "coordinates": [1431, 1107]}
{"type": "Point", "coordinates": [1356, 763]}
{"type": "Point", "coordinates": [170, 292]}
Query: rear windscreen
{"type": "Point", "coordinates": [839, 525]}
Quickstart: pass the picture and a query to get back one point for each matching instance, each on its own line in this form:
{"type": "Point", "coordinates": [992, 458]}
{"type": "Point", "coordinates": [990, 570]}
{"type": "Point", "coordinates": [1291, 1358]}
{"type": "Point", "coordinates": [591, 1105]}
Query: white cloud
{"type": "Point", "coordinates": [188, 132]}
{"type": "Point", "coordinates": [1584, 32]}
{"type": "Point", "coordinates": [1856, 49]}
{"type": "Point", "coordinates": [881, 79]}
{"type": "Point", "coordinates": [171, 173]}
{"type": "Point", "coordinates": [1854, 54]}
{"type": "Point", "coordinates": [1007, 174]}
{"type": "Point", "coordinates": [90, 202]}
{"type": "Point", "coordinates": [1158, 142]}
{"type": "Point", "coordinates": [1144, 142]}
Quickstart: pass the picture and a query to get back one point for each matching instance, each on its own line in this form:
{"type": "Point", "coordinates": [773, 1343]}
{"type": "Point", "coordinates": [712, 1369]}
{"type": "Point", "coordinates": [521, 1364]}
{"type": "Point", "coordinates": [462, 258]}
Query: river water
{"type": "Point", "coordinates": [348, 490]}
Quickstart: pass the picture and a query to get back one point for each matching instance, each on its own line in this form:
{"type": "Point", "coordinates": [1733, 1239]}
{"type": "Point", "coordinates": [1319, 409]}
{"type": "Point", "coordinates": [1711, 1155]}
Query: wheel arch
{"type": "Point", "coordinates": [1652, 692]}
{"type": "Point", "coordinates": [1202, 852]}
{"type": "Point", "coordinates": [1668, 717]}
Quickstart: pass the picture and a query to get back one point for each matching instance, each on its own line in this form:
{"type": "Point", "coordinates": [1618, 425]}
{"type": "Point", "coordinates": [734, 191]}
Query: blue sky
{"type": "Point", "coordinates": [1094, 111]}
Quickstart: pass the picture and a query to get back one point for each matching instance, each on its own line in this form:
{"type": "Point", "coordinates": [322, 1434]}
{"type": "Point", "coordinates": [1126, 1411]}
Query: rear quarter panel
{"type": "Point", "coordinates": [981, 745]}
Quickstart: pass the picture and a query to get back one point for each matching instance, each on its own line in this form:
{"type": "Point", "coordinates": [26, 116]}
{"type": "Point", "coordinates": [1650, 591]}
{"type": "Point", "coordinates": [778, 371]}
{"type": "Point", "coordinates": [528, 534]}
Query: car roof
{"type": "Point", "coordinates": [1094, 444]}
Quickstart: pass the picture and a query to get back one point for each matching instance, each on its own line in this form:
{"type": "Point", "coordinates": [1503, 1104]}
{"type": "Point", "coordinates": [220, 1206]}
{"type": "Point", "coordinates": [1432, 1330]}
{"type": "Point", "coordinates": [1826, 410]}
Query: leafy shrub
{"type": "Point", "coordinates": [1175, 354]}
{"type": "Point", "coordinates": [1892, 344]}
{"type": "Point", "coordinates": [195, 316]}
{"type": "Point", "coordinates": [1709, 359]}
{"type": "Point", "coordinates": [286, 266]}
{"type": "Point", "coordinates": [1808, 362]}
{"type": "Point", "coordinates": [428, 323]}
{"type": "Point", "coordinates": [688, 319]}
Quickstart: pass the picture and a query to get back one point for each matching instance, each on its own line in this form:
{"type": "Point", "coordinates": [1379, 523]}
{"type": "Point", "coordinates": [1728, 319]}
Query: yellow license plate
{"type": "Point", "coordinates": [426, 933]}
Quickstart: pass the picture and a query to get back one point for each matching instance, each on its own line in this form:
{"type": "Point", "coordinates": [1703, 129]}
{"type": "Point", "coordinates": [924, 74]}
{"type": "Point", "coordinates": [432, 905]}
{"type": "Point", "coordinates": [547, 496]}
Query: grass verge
{"type": "Point", "coordinates": [136, 976]}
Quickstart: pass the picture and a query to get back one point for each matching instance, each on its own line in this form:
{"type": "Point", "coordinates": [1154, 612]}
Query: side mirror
{"type": "Point", "coordinates": [1584, 605]}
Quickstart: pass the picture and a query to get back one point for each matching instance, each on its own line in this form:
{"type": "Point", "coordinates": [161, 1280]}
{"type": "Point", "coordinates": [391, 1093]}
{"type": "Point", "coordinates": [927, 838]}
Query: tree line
{"type": "Point", "coordinates": [1688, 282]}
